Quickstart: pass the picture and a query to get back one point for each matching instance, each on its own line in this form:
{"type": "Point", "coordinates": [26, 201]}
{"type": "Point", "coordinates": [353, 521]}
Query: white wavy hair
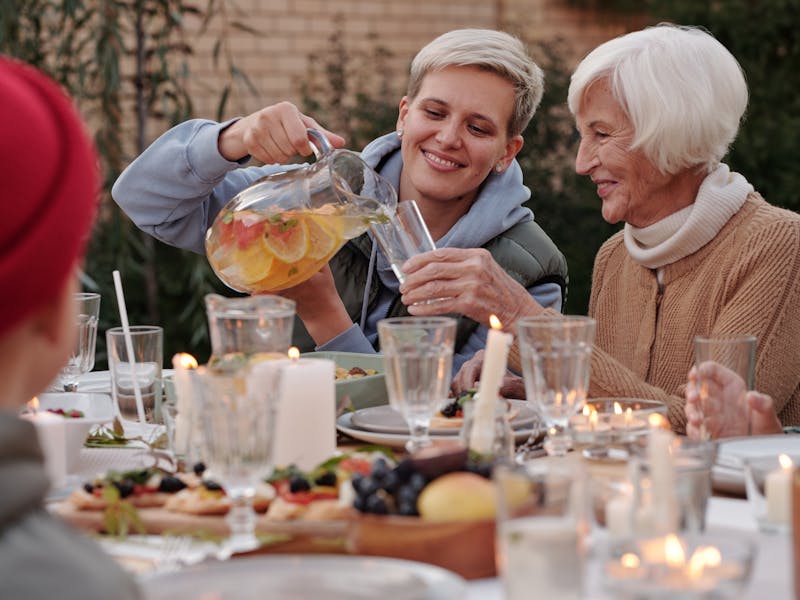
{"type": "Point", "coordinates": [683, 91]}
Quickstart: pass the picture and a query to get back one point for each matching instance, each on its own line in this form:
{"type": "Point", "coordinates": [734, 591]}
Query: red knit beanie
{"type": "Point", "coordinates": [49, 185]}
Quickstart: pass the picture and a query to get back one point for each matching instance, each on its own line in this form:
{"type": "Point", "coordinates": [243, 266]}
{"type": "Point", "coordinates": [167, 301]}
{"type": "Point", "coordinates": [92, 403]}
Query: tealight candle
{"type": "Point", "coordinates": [492, 372]}
{"type": "Point", "coordinates": [778, 492]}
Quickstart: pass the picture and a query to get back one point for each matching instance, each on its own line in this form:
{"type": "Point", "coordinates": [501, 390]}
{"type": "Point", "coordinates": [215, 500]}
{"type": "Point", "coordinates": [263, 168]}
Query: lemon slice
{"type": "Point", "coordinates": [253, 262]}
{"type": "Point", "coordinates": [288, 239]}
{"type": "Point", "coordinates": [322, 238]}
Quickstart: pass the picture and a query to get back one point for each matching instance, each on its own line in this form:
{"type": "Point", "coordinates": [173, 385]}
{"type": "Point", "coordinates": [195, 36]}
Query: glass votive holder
{"type": "Point", "coordinates": [502, 448]}
{"type": "Point", "coordinates": [685, 566]}
{"type": "Point", "coordinates": [606, 427]}
{"type": "Point", "coordinates": [768, 481]}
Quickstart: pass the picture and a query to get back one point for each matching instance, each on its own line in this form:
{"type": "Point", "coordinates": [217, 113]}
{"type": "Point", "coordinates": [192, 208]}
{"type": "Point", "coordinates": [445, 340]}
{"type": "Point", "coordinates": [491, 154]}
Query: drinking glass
{"type": "Point", "coordinates": [237, 418]}
{"type": "Point", "coordinates": [542, 520]}
{"type": "Point", "coordinates": [737, 353]}
{"type": "Point", "coordinates": [556, 354]}
{"type": "Point", "coordinates": [418, 354]}
{"type": "Point", "coordinates": [142, 370]}
{"type": "Point", "coordinates": [81, 361]}
{"type": "Point", "coordinates": [402, 236]}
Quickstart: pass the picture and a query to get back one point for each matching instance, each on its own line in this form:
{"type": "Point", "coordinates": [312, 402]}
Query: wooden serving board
{"type": "Point", "coordinates": [466, 548]}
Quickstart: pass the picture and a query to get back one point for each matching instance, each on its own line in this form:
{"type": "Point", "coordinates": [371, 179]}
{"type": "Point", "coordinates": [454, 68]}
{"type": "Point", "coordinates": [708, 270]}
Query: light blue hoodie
{"type": "Point", "coordinates": [177, 186]}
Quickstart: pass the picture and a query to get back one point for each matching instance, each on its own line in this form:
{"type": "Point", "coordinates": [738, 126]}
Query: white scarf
{"type": "Point", "coordinates": [682, 233]}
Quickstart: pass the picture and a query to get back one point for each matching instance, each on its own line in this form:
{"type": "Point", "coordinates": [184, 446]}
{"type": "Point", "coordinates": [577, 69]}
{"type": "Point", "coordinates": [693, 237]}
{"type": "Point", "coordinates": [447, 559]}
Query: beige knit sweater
{"type": "Point", "coordinates": [746, 280]}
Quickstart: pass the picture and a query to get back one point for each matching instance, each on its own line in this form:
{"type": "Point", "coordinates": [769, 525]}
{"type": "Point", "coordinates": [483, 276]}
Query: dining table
{"type": "Point", "coordinates": [772, 572]}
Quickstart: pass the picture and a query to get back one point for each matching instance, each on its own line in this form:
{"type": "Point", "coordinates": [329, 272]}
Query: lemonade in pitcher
{"type": "Point", "coordinates": [285, 227]}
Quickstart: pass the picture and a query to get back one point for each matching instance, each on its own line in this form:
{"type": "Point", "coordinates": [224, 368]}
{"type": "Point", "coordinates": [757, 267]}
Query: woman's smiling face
{"type": "Point", "coordinates": [455, 132]}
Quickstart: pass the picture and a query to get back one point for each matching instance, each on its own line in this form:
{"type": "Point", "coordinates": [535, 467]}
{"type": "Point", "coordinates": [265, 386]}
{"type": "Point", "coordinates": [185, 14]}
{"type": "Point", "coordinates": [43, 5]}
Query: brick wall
{"type": "Point", "coordinates": [277, 59]}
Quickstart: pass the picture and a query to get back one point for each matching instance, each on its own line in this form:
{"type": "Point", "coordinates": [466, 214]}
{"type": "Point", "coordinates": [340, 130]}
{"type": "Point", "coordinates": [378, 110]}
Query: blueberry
{"type": "Point", "coordinates": [327, 478]}
{"type": "Point", "coordinates": [376, 505]}
{"type": "Point", "coordinates": [212, 486]}
{"type": "Point", "coordinates": [199, 468]}
{"type": "Point", "coordinates": [170, 484]}
{"type": "Point", "coordinates": [125, 487]}
{"type": "Point", "coordinates": [298, 483]}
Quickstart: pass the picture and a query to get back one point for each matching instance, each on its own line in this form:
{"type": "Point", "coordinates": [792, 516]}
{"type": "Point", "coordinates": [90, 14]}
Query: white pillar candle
{"type": "Point", "coordinates": [778, 492]}
{"type": "Point", "coordinates": [492, 373]}
{"type": "Point", "coordinates": [619, 515]}
{"type": "Point", "coordinates": [181, 363]}
{"type": "Point", "coordinates": [305, 427]}
{"type": "Point", "coordinates": [662, 474]}
{"type": "Point", "coordinates": [52, 433]}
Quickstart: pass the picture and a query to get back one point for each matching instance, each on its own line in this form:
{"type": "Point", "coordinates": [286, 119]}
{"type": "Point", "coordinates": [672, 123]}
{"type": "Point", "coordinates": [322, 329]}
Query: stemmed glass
{"type": "Point", "coordinates": [81, 361]}
{"type": "Point", "coordinates": [237, 416]}
{"type": "Point", "coordinates": [556, 354]}
{"type": "Point", "coordinates": [418, 354]}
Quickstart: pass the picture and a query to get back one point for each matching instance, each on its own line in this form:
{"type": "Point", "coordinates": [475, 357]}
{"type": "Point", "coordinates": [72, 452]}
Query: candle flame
{"type": "Point", "coordinates": [703, 558]}
{"type": "Point", "coordinates": [294, 353]}
{"type": "Point", "coordinates": [587, 410]}
{"type": "Point", "coordinates": [33, 405]}
{"type": "Point", "coordinates": [786, 462]}
{"type": "Point", "coordinates": [628, 415]}
{"type": "Point", "coordinates": [657, 421]}
{"type": "Point", "coordinates": [618, 408]}
{"type": "Point", "coordinates": [593, 419]}
{"type": "Point", "coordinates": [187, 361]}
{"type": "Point", "coordinates": [629, 560]}
{"type": "Point", "coordinates": [674, 553]}
{"type": "Point", "coordinates": [494, 322]}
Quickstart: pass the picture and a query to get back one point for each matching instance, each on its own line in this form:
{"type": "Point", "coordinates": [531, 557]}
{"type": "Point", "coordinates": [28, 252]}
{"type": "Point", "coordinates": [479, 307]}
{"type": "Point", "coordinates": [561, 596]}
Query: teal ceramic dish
{"type": "Point", "coordinates": [363, 392]}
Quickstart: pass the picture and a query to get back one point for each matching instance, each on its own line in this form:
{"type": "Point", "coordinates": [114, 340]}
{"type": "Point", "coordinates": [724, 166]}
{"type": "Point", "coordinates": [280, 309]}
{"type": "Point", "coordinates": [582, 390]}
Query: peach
{"type": "Point", "coordinates": [458, 496]}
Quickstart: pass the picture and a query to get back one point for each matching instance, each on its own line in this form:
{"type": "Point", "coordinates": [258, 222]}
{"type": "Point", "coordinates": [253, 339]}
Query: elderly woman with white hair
{"type": "Point", "coordinates": [701, 252]}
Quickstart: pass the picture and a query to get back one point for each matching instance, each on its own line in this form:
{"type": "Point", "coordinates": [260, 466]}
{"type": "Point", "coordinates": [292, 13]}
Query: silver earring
{"type": "Point", "coordinates": [499, 168]}
{"type": "Point", "coordinates": [400, 133]}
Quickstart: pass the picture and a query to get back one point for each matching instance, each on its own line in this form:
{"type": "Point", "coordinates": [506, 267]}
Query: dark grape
{"type": "Point", "coordinates": [391, 482]}
{"type": "Point", "coordinates": [360, 504]}
{"type": "Point", "coordinates": [417, 481]}
{"type": "Point", "coordinates": [170, 484]}
{"type": "Point", "coordinates": [125, 487]}
{"type": "Point", "coordinates": [327, 478]}
{"type": "Point", "coordinates": [406, 495]}
{"type": "Point", "coordinates": [88, 487]}
{"type": "Point", "coordinates": [404, 469]}
{"type": "Point", "coordinates": [376, 505]}
{"type": "Point", "coordinates": [199, 468]}
{"type": "Point", "coordinates": [408, 509]}
{"type": "Point", "coordinates": [365, 486]}
{"type": "Point", "coordinates": [380, 469]}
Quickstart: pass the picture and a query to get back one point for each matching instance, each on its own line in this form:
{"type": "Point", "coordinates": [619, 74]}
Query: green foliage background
{"type": "Point", "coordinates": [83, 44]}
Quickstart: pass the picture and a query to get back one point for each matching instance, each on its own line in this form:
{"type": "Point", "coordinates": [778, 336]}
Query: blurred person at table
{"type": "Point", "coordinates": [470, 95]}
{"type": "Point", "coordinates": [49, 198]}
{"type": "Point", "coordinates": [701, 252]}
{"type": "Point", "coordinates": [729, 409]}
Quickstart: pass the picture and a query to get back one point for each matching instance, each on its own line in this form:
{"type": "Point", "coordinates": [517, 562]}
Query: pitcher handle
{"type": "Point", "coordinates": [319, 143]}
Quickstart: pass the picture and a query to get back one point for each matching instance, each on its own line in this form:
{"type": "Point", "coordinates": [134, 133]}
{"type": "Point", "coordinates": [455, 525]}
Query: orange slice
{"type": "Point", "coordinates": [322, 238]}
{"type": "Point", "coordinates": [287, 239]}
{"type": "Point", "coordinates": [253, 262]}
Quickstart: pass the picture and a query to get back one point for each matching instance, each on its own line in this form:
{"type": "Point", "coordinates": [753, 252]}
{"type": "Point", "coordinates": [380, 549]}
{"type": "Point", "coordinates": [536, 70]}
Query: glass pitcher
{"type": "Point", "coordinates": [284, 227]}
{"type": "Point", "coordinates": [243, 328]}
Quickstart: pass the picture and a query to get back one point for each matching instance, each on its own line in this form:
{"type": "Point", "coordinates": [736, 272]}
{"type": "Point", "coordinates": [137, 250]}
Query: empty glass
{"type": "Point", "coordinates": [237, 418]}
{"type": "Point", "coordinates": [81, 361]}
{"type": "Point", "coordinates": [418, 354]}
{"type": "Point", "coordinates": [402, 236]}
{"type": "Point", "coordinates": [556, 354]}
{"type": "Point", "coordinates": [136, 375]}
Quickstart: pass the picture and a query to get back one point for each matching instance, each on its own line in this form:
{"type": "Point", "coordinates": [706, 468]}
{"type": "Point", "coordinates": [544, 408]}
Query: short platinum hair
{"type": "Point", "coordinates": [683, 91]}
{"type": "Point", "coordinates": [493, 51]}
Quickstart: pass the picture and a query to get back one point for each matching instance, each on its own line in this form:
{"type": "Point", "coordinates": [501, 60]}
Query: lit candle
{"type": "Point", "coordinates": [662, 473]}
{"type": "Point", "coordinates": [492, 373]}
{"type": "Point", "coordinates": [778, 492]}
{"type": "Point", "coordinates": [51, 430]}
{"type": "Point", "coordinates": [305, 426]}
{"type": "Point", "coordinates": [183, 363]}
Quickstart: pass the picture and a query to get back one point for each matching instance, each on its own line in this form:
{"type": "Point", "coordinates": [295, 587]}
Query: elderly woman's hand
{"type": "Point", "coordinates": [465, 281]}
{"type": "Point", "coordinates": [272, 135]}
{"type": "Point", "coordinates": [728, 410]}
{"type": "Point", "coordinates": [469, 375]}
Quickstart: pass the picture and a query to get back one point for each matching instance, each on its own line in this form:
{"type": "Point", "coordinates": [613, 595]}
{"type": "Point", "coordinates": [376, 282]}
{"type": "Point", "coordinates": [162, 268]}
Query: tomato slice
{"type": "Point", "coordinates": [354, 464]}
{"type": "Point", "coordinates": [306, 496]}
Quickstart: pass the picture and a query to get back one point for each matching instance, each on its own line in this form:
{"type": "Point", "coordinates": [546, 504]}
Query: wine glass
{"type": "Point", "coordinates": [418, 354]}
{"type": "Point", "coordinates": [556, 354]}
{"type": "Point", "coordinates": [237, 417]}
{"type": "Point", "coordinates": [81, 361]}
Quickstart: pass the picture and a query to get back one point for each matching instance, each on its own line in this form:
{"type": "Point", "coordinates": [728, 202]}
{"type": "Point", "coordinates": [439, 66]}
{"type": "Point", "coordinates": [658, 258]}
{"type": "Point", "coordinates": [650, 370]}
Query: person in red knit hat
{"type": "Point", "coordinates": [50, 183]}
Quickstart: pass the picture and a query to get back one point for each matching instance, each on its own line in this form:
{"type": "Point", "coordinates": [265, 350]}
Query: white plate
{"type": "Point", "coordinates": [385, 419]}
{"type": "Point", "coordinates": [305, 576]}
{"type": "Point", "coordinates": [728, 474]}
{"type": "Point", "coordinates": [100, 381]}
{"type": "Point", "coordinates": [398, 440]}
{"type": "Point", "coordinates": [96, 408]}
